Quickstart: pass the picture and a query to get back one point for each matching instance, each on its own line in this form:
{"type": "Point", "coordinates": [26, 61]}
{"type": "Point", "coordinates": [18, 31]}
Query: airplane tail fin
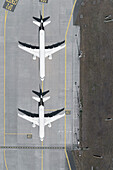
{"type": "Point", "coordinates": [43, 20]}
{"type": "Point", "coordinates": [39, 94]}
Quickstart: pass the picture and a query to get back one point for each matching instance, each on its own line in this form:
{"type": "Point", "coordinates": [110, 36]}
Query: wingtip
{"type": "Point", "coordinates": [62, 109]}
{"type": "Point", "coordinates": [19, 109]}
{"type": "Point", "coordinates": [20, 43]}
{"type": "Point", "coordinates": [63, 41]}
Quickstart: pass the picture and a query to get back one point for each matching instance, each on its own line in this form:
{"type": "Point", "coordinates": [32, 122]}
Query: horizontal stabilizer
{"type": "Point", "coordinates": [46, 18]}
{"type": "Point", "coordinates": [46, 98]}
{"type": "Point", "coordinates": [44, 93]}
{"type": "Point", "coordinates": [29, 113]}
{"type": "Point", "coordinates": [37, 93]}
{"type": "Point", "coordinates": [38, 21]}
{"type": "Point", "coordinates": [43, 19]}
{"type": "Point", "coordinates": [36, 98]}
{"type": "Point", "coordinates": [40, 93]}
{"type": "Point", "coordinates": [53, 113]}
{"type": "Point", "coordinates": [46, 23]}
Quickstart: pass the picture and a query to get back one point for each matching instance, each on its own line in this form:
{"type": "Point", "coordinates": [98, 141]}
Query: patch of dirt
{"type": "Point", "coordinates": [96, 85]}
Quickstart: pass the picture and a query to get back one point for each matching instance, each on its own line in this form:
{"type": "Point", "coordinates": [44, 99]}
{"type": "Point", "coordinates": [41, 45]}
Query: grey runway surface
{"type": "Point", "coordinates": [22, 76]}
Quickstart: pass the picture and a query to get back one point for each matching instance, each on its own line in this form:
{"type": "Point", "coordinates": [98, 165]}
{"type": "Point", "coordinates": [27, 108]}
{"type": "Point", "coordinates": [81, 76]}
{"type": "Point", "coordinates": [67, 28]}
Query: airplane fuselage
{"type": "Point", "coordinates": [41, 122]}
{"type": "Point", "coordinates": [42, 53]}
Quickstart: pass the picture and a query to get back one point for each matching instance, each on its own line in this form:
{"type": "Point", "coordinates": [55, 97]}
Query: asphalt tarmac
{"type": "Point", "coordinates": [20, 75]}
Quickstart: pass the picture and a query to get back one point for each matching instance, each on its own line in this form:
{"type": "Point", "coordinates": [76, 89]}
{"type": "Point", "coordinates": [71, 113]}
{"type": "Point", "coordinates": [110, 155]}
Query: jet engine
{"type": "Point", "coordinates": [34, 57]}
{"type": "Point", "coordinates": [50, 57]}
{"type": "Point", "coordinates": [49, 125]}
{"type": "Point", "coordinates": [33, 125]}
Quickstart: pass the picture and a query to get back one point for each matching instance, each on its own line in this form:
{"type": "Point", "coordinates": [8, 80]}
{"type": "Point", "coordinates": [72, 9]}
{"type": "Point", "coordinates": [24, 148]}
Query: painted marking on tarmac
{"type": "Point", "coordinates": [6, 12]}
{"type": "Point", "coordinates": [42, 86]}
{"type": "Point", "coordinates": [33, 147]}
{"type": "Point", "coordinates": [42, 10]}
{"type": "Point", "coordinates": [65, 79]}
{"type": "Point", "coordinates": [44, 1]}
{"type": "Point", "coordinates": [42, 157]}
{"type": "Point", "coordinates": [10, 5]}
{"type": "Point", "coordinates": [67, 160]}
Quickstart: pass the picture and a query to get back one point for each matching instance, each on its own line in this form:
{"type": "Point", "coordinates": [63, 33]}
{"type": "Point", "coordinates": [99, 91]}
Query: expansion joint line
{"type": "Point", "coordinates": [6, 12]}
{"type": "Point", "coordinates": [66, 78]}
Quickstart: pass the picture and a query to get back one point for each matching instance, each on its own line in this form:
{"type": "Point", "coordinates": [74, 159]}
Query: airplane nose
{"type": "Point", "coordinates": [41, 139]}
{"type": "Point", "coordinates": [42, 79]}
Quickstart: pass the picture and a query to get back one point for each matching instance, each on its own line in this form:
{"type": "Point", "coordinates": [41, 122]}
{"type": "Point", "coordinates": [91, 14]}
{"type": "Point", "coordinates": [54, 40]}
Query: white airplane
{"type": "Point", "coordinates": [41, 119]}
{"type": "Point", "coordinates": [41, 51]}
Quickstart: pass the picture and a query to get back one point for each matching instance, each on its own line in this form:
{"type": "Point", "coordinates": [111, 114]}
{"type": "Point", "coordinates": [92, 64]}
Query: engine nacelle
{"type": "Point", "coordinates": [33, 125]}
{"type": "Point", "coordinates": [50, 57]}
{"type": "Point", "coordinates": [49, 125]}
{"type": "Point", "coordinates": [34, 57]}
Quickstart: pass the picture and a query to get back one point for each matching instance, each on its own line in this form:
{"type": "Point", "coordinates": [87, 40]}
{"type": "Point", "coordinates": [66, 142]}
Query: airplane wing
{"type": "Point", "coordinates": [34, 50]}
{"type": "Point", "coordinates": [51, 49]}
{"type": "Point", "coordinates": [51, 117]}
{"type": "Point", "coordinates": [53, 113]}
{"type": "Point", "coordinates": [29, 113]}
{"type": "Point", "coordinates": [31, 117]}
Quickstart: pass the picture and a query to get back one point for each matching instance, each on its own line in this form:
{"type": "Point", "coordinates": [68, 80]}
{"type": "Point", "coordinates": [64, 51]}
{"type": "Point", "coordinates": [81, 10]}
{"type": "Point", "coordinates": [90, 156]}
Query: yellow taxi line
{"type": "Point", "coordinates": [42, 10]}
{"type": "Point", "coordinates": [67, 160]}
{"type": "Point", "coordinates": [65, 79]}
{"type": "Point", "coordinates": [42, 86]}
{"type": "Point", "coordinates": [6, 12]}
{"type": "Point", "coordinates": [42, 158]}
